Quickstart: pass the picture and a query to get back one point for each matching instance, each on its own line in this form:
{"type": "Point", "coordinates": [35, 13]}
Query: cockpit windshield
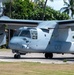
{"type": "Point", "coordinates": [17, 33]}
{"type": "Point", "coordinates": [25, 33]}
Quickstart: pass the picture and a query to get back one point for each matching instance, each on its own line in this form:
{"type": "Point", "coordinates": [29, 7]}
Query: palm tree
{"type": "Point", "coordinates": [69, 8]}
{"type": "Point", "coordinates": [42, 4]}
{"type": "Point", "coordinates": [44, 8]}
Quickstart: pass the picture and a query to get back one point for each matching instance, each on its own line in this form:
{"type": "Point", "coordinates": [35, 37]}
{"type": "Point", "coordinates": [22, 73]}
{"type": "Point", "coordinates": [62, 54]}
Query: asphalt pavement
{"type": "Point", "coordinates": [8, 56]}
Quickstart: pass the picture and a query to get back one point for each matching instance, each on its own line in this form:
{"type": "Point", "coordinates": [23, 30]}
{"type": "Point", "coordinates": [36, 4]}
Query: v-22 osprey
{"type": "Point", "coordinates": [48, 37]}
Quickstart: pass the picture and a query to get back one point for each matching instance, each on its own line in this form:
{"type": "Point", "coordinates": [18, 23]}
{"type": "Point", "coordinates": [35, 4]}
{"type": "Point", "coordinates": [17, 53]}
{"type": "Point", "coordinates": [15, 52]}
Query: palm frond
{"type": "Point", "coordinates": [66, 11]}
{"type": "Point", "coordinates": [64, 8]}
{"type": "Point", "coordinates": [65, 3]}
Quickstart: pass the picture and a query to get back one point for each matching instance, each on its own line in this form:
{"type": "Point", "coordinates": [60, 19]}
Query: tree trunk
{"type": "Point", "coordinates": [44, 7]}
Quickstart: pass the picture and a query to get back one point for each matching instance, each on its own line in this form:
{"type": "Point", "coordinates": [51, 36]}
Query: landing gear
{"type": "Point", "coordinates": [17, 56]}
{"type": "Point", "coordinates": [48, 55]}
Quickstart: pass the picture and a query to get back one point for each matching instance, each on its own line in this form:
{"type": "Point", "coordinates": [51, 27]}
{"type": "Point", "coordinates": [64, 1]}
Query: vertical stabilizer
{"type": "Point", "coordinates": [1, 9]}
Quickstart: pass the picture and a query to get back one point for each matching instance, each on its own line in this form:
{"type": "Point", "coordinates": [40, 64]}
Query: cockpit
{"type": "Point", "coordinates": [29, 33]}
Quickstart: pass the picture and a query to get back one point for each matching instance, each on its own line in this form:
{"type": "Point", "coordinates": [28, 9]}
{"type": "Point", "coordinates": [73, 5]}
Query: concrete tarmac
{"type": "Point", "coordinates": [8, 56]}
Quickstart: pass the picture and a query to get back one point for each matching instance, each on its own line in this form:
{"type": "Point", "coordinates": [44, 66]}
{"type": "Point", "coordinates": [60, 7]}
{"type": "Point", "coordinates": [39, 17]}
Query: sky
{"type": "Point", "coordinates": [56, 4]}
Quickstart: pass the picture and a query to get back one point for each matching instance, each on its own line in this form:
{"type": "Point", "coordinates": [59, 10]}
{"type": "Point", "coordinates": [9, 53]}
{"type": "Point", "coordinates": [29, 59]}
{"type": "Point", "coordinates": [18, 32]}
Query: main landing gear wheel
{"type": "Point", "coordinates": [48, 55]}
{"type": "Point", "coordinates": [17, 56]}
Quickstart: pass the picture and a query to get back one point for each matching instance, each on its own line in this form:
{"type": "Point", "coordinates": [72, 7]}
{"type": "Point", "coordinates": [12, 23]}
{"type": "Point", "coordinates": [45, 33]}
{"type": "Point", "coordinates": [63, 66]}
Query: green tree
{"type": "Point", "coordinates": [25, 10]}
{"type": "Point", "coordinates": [69, 8]}
{"type": "Point", "coordinates": [19, 9]}
{"type": "Point", "coordinates": [51, 14]}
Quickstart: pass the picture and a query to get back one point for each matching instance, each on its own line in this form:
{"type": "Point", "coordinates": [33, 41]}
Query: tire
{"type": "Point", "coordinates": [48, 55]}
{"type": "Point", "coordinates": [17, 56]}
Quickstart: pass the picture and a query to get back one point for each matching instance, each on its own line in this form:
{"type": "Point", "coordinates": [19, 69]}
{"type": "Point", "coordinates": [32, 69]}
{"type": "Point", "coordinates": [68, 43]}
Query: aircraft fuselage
{"type": "Point", "coordinates": [43, 40]}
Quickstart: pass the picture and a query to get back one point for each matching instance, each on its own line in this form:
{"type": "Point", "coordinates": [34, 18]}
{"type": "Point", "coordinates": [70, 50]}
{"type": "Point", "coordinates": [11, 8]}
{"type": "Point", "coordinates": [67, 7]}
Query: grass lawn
{"type": "Point", "coordinates": [25, 68]}
{"type": "Point", "coordinates": [28, 68]}
{"type": "Point", "coordinates": [3, 49]}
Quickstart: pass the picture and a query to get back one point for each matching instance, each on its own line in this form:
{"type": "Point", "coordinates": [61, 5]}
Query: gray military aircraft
{"type": "Point", "coordinates": [48, 37]}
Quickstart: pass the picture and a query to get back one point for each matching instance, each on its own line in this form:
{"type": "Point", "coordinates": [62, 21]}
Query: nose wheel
{"type": "Point", "coordinates": [48, 55]}
{"type": "Point", "coordinates": [17, 56]}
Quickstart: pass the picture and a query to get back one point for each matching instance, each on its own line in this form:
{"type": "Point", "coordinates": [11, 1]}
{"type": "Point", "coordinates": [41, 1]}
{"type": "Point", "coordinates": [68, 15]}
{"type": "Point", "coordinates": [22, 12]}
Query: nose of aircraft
{"type": "Point", "coordinates": [18, 43]}
{"type": "Point", "coordinates": [13, 42]}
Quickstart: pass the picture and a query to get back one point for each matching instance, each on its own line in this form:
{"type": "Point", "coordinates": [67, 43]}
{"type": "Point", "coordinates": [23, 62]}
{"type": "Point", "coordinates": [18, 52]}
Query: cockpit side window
{"type": "Point", "coordinates": [34, 34]}
{"type": "Point", "coordinates": [25, 33]}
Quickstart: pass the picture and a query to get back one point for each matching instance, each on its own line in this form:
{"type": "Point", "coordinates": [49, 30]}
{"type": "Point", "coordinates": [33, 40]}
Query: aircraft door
{"type": "Point", "coordinates": [2, 35]}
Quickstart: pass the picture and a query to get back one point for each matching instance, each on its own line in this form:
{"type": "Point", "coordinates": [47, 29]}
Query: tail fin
{"type": "Point", "coordinates": [1, 9]}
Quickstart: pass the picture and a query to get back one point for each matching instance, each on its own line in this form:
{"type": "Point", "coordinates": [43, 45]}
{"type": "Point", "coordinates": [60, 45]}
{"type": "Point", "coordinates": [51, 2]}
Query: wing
{"type": "Point", "coordinates": [18, 22]}
{"type": "Point", "coordinates": [66, 23]}
{"type": "Point", "coordinates": [34, 23]}
{"type": "Point", "coordinates": [56, 24]}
